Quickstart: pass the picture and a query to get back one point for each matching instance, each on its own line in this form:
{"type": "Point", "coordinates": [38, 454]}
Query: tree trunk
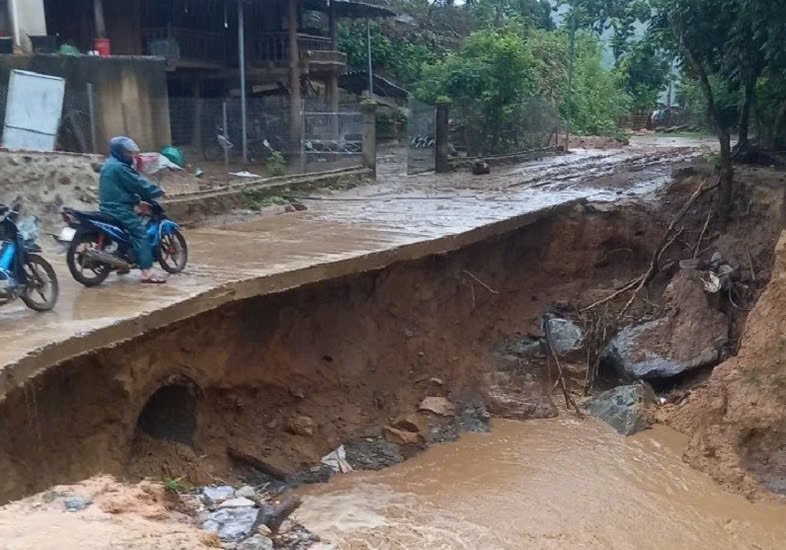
{"type": "Point", "coordinates": [725, 189]}
{"type": "Point", "coordinates": [745, 114]}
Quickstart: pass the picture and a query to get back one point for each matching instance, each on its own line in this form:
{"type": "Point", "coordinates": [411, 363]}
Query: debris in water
{"type": "Point", "coordinates": [337, 460]}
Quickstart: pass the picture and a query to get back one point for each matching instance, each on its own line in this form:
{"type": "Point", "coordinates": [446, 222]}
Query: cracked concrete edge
{"type": "Point", "coordinates": [15, 374]}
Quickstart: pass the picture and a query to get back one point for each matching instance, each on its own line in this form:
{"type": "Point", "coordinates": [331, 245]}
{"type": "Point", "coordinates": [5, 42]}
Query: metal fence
{"type": "Point", "coordinates": [477, 130]}
{"type": "Point", "coordinates": [202, 127]}
{"type": "Point", "coordinates": [211, 129]}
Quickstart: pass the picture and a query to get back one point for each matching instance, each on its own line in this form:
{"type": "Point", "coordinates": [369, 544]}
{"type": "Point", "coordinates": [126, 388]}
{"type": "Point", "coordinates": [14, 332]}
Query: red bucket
{"type": "Point", "coordinates": [103, 47]}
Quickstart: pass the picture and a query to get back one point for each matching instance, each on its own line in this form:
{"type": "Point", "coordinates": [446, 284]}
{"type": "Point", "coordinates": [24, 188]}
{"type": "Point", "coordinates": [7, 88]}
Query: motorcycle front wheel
{"type": "Point", "coordinates": [85, 270]}
{"type": "Point", "coordinates": [42, 287]}
{"type": "Point", "coordinates": [173, 252]}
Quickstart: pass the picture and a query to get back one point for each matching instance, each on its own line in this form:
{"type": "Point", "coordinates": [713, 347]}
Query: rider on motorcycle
{"type": "Point", "coordinates": [120, 190]}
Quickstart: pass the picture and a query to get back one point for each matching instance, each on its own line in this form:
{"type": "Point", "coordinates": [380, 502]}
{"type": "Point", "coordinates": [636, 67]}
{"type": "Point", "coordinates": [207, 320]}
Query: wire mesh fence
{"type": "Point", "coordinates": [212, 131]}
{"type": "Point", "coordinates": [479, 129]}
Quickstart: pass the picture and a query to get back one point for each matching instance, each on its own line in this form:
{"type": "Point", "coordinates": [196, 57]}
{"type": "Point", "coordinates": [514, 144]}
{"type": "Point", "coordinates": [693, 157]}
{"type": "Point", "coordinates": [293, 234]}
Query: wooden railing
{"type": "Point", "coordinates": [181, 45]}
{"type": "Point", "coordinates": [274, 46]}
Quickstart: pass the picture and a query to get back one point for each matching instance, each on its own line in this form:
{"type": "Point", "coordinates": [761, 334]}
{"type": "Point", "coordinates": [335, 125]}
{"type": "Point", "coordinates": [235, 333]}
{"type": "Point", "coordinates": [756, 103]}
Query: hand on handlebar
{"type": "Point", "coordinates": [145, 208]}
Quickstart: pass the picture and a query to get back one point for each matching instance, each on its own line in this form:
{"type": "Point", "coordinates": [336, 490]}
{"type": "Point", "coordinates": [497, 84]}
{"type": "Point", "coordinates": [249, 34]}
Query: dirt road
{"type": "Point", "coordinates": [397, 218]}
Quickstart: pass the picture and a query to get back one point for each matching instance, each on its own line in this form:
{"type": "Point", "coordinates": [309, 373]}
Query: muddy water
{"type": "Point", "coordinates": [542, 484]}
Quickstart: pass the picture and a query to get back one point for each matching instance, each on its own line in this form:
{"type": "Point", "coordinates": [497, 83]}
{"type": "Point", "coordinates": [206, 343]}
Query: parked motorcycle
{"type": "Point", "coordinates": [97, 244]}
{"type": "Point", "coordinates": [24, 273]}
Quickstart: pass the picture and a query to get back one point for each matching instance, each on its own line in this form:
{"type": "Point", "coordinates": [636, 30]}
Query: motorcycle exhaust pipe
{"type": "Point", "coordinates": [106, 258]}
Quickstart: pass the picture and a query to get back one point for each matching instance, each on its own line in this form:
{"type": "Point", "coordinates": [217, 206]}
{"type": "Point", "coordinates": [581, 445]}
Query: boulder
{"type": "Point", "coordinates": [257, 542]}
{"type": "Point", "coordinates": [566, 336]}
{"type": "Point", "coordinates": [438, 405]}
{"type": "Point", "coordinates": [237, 502]}
{"type": "Point", "coordinates": [517, 396]}
{"type": "Point", "coordinates": [301, 425]}
{"type": "Point", "coordinates": [76, 503]}
{"type": "Point", "coordinates": [625, 408]}
{"type": "Point", "coordinates": [232, 524]}
{"type": "Point", "coordinates": [402, 437]}
{"type": "Point", "coordinates": [413, 422]}
{"type": "Point", "coordinates": [246, 491]}
{"type": "Point", "coordinates": [213, 495]}
{"type": "Point", "coordinates": [692, 334]}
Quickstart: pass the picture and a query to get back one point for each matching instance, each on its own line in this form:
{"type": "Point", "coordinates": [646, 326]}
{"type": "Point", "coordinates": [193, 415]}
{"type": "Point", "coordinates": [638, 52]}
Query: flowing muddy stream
{"type": "Point", "coordinates": [542, 484]}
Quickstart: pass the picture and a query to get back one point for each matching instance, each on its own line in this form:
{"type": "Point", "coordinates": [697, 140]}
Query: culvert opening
{"type": "Point", "coordinates": [170, 414]}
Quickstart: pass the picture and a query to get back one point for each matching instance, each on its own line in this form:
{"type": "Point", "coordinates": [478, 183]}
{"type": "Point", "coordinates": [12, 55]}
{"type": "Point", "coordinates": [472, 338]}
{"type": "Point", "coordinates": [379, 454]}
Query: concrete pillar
{"type": "Point", "coordinates": [442, 137]}
{"type": "Point", "coordinates": [28, 19]}
{"type": "Point", "coordinates": [369, 110]}
{"type": "Point", "coordinates": [333, 26]}
{"type": "Point", "coordinates": [294, 77]}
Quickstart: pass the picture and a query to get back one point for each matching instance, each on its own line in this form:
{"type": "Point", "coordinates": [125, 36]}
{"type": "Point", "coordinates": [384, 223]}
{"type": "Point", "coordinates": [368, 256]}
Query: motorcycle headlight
{"type": "Point", "coordinates": [29, 228]}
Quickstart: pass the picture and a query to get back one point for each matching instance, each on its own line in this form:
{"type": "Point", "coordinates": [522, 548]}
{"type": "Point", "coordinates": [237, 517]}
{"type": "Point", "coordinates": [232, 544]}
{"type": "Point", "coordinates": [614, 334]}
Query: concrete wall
{"type": "Point", "coordinates": [131, 92]}
{"type": "Point", "coordinates": [28, 18]}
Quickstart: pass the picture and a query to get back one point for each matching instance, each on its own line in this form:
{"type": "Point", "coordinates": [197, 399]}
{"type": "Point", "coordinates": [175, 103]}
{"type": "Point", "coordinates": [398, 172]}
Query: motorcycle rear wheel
{"type": "Point", "coordinates": [85, 271]}
{"type": "Point", "coordinates": [41, 277]}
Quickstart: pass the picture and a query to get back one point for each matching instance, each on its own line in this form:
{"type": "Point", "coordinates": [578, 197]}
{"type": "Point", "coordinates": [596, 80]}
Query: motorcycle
{"type": "Point", "coordinates": [97, 244]}
{"type": "Point", "coordinates": [24, 274]}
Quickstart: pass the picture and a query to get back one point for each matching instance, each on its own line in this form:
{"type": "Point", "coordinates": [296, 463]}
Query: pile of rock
{"type": "Point", "coordinates": [244, 519]}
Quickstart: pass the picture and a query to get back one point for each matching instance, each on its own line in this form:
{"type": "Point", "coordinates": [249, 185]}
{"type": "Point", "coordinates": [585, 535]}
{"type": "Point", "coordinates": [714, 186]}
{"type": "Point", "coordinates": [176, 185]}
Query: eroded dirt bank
{"type": "Point", "coordinates": [349, 354]}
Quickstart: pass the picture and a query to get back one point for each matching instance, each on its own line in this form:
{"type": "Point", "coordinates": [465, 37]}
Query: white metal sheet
{"type": "Point", "coordinates": [33, 111]}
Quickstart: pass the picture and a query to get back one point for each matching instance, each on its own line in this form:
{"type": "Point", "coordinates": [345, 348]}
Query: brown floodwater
{"type": "Point", "coordinates": [542, 484]}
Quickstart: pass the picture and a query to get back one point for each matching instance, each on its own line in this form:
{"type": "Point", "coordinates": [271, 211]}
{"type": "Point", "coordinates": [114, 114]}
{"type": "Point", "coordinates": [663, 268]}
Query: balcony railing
{"type": "Point", "coordinates": [179, 45]}
{"type": "Point", "coordinates": [274, 46]}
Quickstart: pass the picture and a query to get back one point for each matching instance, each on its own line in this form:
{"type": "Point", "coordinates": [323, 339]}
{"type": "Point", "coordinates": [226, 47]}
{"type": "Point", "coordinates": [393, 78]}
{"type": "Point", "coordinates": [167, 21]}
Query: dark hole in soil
{"type": "Point", "coordinates": [170, 414]}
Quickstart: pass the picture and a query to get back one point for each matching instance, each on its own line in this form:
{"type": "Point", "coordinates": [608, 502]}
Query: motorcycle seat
{"type": "Point", "coordinates": [98, 216]}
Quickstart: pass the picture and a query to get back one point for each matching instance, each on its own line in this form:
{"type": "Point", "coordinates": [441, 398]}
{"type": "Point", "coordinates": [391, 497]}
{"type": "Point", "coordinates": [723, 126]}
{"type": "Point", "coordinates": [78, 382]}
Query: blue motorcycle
{"type": "Point", "coordinates": [24, 273]}
{"type": "Point", "coordinates": [97, 244]}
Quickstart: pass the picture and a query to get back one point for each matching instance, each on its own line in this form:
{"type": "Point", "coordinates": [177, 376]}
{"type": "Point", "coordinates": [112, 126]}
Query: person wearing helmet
{"type": "Point", "coordinates": [120, 189]}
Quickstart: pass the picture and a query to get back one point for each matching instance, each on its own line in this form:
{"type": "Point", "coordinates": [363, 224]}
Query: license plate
{"type": "Point", "coordinates": [67, 235]}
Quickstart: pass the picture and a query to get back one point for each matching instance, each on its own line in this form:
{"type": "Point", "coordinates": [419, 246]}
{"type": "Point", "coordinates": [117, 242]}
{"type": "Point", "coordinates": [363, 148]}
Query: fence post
{"type": "Point", "coordinates": [369, 110]}
{"type": "Point", "coordinates": [91, 106]}
{"type": "Point", "coordinates": [442, 137]}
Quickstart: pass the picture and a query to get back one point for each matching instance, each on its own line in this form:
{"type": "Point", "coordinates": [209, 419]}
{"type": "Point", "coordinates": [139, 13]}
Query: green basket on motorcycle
{"type": "Point", "coordinates": [175, 155]}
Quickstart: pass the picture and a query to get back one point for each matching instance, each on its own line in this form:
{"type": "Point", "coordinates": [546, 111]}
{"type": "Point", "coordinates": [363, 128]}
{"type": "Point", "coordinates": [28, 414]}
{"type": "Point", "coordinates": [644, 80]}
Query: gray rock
{"type": "Point", "coordinates": [232, 524]}
{"type": "Point", "coordinates": [238, 502]}
{"type": "Point", "coordinates": [246, 492]}
{"type": "Point", "coordinates": [639, 352]}
{"type": "Point", "coordinates": [566, 335]}
{"type": "Point", "coordinates": [257, 542]}
{"type": "Point", "coordinates": [76, 503]}
{"type": "Point", "coordinates": [624, 408]}
{"type": "Point", "coordinates": [216, 494]}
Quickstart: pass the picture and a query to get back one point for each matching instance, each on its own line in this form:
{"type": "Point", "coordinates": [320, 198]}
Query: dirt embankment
{"type": "Point", "coordinates": [737, 419]}
{"type": "Point", "coordinates": [348, 354]}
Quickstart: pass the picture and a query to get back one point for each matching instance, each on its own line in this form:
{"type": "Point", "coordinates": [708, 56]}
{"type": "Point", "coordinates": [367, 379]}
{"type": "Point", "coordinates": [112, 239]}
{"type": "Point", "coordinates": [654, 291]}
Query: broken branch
{"type": "Point", "coordinates": [701, 235]}
{"type": "Point", "coordinates": [569, 401]}
{"type": "Point", "coordinates": [481, 283]}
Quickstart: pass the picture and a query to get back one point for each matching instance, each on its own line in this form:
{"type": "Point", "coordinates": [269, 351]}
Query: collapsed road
{"type": "Point", "coordinates": [374, 226]}
{"type": "Point", "coordinates": [82, 380]}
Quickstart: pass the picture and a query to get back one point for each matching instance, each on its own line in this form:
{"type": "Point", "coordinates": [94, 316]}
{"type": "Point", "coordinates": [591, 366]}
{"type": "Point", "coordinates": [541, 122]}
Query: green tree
{"type": "Point", "coordinates": [644, 71]}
